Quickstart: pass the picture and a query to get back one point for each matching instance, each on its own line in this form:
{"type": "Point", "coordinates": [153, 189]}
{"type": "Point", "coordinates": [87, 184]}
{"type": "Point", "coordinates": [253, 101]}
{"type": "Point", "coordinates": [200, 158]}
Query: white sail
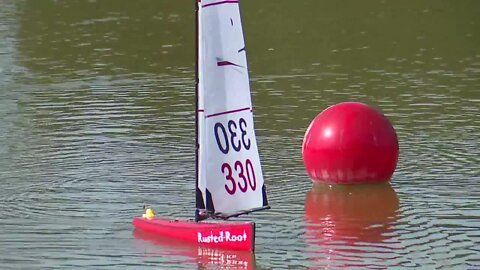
{"type": "Point", "coordinates": [230, 176]}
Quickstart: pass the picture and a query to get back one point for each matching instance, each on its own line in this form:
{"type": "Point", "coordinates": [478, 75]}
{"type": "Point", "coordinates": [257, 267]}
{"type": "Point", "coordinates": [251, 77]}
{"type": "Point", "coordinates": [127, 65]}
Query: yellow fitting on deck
{"type": "Point", "coordinates": [149, 213]}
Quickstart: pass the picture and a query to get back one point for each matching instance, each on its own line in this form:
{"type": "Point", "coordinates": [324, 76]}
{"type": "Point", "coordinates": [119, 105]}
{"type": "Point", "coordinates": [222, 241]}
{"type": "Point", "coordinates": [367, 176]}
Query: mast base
{"type": "Point", "coordinates": [202, 214]}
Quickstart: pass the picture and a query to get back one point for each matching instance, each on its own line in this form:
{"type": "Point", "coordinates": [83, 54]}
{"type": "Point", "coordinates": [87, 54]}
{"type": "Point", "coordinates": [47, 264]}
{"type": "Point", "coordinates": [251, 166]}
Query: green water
{"type": "Point", "coordinates": [96, 118]}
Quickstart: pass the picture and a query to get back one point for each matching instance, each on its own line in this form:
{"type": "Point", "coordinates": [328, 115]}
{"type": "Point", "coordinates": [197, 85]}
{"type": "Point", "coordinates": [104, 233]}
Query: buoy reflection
{"type": "Point", "coordinates": [345, 220]}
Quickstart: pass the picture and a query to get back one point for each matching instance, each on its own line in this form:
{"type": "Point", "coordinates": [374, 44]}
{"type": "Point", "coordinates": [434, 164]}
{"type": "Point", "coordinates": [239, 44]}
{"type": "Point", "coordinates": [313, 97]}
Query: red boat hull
{"type": "Point", "coordinates": [224, 235]}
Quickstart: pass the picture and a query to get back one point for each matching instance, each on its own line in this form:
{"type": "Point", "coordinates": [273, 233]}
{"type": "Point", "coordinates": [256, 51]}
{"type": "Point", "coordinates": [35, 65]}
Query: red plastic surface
{"type": "Point", "coordinates": [223, 235]}
{"type": "Point", "coordinates": [350, 143]}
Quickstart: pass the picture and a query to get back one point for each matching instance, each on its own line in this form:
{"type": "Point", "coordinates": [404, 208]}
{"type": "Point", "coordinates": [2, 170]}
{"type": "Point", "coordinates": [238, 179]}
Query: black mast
{"type": "Point", "coordinates": [198, 194]}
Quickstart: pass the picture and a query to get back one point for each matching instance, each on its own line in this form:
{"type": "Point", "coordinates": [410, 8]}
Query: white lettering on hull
{"type": "Point", "coordinates": [222, 236]}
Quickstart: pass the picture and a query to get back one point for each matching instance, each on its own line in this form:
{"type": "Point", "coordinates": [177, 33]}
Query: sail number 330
{"type": "Point", "coordinates": [244, 172]}
{"type": "Point", "coordinates": [236, 137]}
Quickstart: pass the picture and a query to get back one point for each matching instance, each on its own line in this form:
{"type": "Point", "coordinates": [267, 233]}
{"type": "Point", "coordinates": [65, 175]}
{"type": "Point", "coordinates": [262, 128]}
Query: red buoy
{"type": "Point", "coordinates": [350, 143]}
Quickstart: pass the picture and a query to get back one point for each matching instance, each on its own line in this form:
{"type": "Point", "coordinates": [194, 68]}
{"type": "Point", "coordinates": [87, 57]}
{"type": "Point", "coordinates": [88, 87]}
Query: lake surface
{"type": "Point", "coordinates": [97, 115]}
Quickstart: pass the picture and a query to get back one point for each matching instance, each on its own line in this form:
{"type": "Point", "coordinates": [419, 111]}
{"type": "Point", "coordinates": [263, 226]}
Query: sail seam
{"type": "Point", "coordinates": [221, 3]}
{"type": "Point", "coordinates": [229, 112]}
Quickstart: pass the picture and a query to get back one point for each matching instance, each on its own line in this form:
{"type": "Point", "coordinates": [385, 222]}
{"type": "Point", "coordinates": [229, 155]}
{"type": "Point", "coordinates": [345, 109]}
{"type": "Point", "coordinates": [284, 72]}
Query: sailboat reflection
{"type": "Point", "coordinates": [203, 257]}
{"type": "Point", "coordinates": [346, 221]}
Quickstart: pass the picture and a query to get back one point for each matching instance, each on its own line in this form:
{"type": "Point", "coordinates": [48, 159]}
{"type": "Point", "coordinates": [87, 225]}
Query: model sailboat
{"type": "Point", "coordinates": [229, 178]}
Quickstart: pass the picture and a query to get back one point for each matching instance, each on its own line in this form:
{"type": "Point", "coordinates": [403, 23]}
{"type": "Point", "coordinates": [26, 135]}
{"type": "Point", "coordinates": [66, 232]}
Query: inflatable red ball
{"type": "Point", "coordinates": [350, 143]}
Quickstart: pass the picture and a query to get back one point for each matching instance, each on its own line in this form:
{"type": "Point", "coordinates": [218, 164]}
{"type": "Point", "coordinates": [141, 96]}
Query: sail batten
{"type": "Point", "coordinates": [230, 177]}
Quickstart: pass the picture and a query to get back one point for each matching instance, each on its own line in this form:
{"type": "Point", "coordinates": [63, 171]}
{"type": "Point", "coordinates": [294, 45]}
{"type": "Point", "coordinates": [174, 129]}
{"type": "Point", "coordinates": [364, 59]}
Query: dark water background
{"type": "Point", "coordinates": [96, 118]}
